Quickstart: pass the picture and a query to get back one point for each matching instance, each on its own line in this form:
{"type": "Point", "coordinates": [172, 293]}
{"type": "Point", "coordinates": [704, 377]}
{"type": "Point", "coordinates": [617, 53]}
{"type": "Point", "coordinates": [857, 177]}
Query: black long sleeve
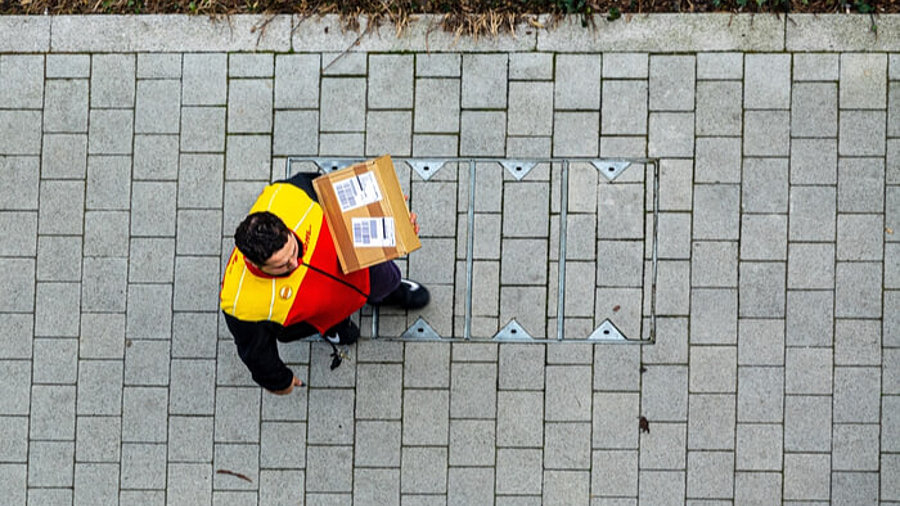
{"type": "Point", "coordinates": [258, 348]}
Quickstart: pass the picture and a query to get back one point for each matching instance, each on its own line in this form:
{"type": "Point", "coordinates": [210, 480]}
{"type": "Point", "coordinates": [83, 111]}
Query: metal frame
{"type": "Point", "coordinates": [610, 168]}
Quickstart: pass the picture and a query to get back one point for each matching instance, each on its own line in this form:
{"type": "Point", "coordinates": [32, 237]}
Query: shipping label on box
{"type": "Point", "coordinates": [366, 214]}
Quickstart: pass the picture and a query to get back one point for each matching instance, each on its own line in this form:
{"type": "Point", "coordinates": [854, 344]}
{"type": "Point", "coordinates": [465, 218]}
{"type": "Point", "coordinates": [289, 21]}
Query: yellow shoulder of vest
{"type": "Point", "coordinates": [251, 298]}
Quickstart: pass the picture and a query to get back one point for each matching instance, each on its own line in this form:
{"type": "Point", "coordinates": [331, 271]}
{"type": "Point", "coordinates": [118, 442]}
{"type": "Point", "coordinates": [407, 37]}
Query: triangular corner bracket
{"type": "Point", "coordinates": [610, 169]}
{"type": "Point", "coordinates": [421, 330]}
{"type": "Point", "coordinates": [333, 164]}
{"type": "Point", "coordinates": [426, 168]}
{"type": "Point", "coordinates": [607, 331]}
{"type": "Point", "coordinates": [512, 331]}
{"type": "Point", "coordinates": [517, 168]}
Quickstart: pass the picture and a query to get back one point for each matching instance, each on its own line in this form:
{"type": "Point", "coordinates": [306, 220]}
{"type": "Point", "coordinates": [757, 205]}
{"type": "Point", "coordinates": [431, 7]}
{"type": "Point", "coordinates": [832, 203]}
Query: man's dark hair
{"type": "Point", "coordinates": [260, 235]}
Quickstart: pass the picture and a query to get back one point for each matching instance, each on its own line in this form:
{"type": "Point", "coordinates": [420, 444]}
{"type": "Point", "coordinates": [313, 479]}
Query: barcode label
{"type": "Point", "coordinates": [357, 191]}
{"type": "Point", "coordinates": [373, 232]}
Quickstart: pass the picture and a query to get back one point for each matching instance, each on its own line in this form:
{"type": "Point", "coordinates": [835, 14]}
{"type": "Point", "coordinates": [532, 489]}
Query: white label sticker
{"type": "Point", "coordinates": [357, 191]}
{"type": "Point", "coordinates": [373, 232]}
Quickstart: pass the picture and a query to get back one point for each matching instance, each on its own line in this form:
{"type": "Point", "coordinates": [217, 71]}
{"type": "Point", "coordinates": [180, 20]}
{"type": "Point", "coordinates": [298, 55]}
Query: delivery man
{"type": "Point", "coordinates": [283, 282]}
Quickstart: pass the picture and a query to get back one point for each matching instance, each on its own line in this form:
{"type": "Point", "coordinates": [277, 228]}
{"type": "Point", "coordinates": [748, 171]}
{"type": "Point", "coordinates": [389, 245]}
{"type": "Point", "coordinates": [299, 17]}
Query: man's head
{"type": "Point", "coordinates": [267, 243]}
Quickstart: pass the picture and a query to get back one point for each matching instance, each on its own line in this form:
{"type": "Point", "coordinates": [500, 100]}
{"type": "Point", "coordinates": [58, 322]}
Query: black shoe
{"type": "Point", "coordinates": [345, 332]}
{"type": "Point", "coordinates": [409, 295]}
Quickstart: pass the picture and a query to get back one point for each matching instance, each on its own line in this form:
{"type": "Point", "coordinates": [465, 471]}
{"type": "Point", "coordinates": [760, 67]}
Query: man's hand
{"type": "Point", "coordinates": [290, 388]}
{"type": "Point", "coordinates": [413, 217]}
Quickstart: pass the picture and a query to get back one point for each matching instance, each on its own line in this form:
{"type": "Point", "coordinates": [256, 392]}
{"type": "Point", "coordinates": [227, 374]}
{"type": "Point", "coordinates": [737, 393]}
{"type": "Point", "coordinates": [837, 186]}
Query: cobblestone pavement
{"type": "Point", "coordinates": [131, 147]}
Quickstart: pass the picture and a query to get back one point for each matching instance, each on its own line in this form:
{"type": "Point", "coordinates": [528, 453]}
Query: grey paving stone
{"type": "Point", "coordinates": [192, 387]}
{"type": "Point", "coordinates": [24, 241]}
{"type": "Point", "coordinates": [204, 81]}
{"type": "Point", "coordinates": [437, 105]}
{"type": "Point", "coordinates": [158, 106]}
{"type": "Point", "coordinates": [759, 447]}
{"type": "Point", "coordinates": [377, 443]}
{"type": "Point", "coordinates": [472, 442]}
{"type": "Point", "coordinates": [566, 487]}
{"type": "Point", "coordinates": [22, 173]}
{"type": "Point", "coordinates": [51, 463]}
{"type": "Point", "coordinates": [99, 387]}
{"type": "Point", "coordinates": [20, 132]}
{"type": "Point", "coordinates": [191, 439]}
{"type": "Point", "coordinates": [855, 447]}
{"type": "Point", "coordinates": [628, 269]}
{"type": "Point", "coordinates": [250, 65]}
{"type": "Point", "coordinates": [858, 342]}
{"type": "Point", "coordinates": [521, 262]}
{"type": "Point", "coordinates": [96, 483]}
{"type": "Point", "coordinates": [673, 288]}
{"type": "Point", "coordinates": [621, 366]}
{"type": "Point", "coordinates": [860, 237]}
{"type": "Point", "coordinates": [344, 64]}
{"type": "Point", "coordinates": [64, 156]}
{"type": "Point", "coordinates": [671, 135]}
{"type": "Point", "coordinates": [576, 133]}
{"type": "Point", "coordinates": [435, 203]}
{"type": "Point", "coordinates": [811, 211]}
{"type": "Point", "coordinates": [110, 131]}
{"type": "Point", "coordinates": [482, 133]}
{"type": "Point", "coordinates": [428, 424]}
{"type": "Point", "coordinates": [813, 161]}
{"type": "Point", "coordinates": [714, 264]}
{"type": "Point", "coordinates": [762, 289]}
{"type": "Point", "coordinates": [623, 202]}
{"type": "Point", "coordinates": [807, 476]}
{"type": "Point", "coordinates": [189, 483]}
{"type": "Point", "coordinates": [250, 105]}
{"type": "Point", "coordinates": [424, 471]}
{"type": "Point", "coordinates": [156, 157]}
{"type": "Point", "coordinates": [520, 418]}
{"type": "Point", "coordinates": [854, 488]}
{"type": "Point", "coordinates": [572, 401]}
{"type": "Point", "coordinates": [68, 65]}
{"type": "Point", "coordinates": [376, 486]}
{"type": "Point", "coordinates": [764, 236]}
{"type": "Point", "coordinates": [718, 160]}
{"type": "Point", "coordinates": [612, 147]}
{"type": "Point", "coordinates": [713, 369]}
{"type": "Point", "coordinates": [343, 104]}
{"type": "Point", "coordinates": [516, 469]}
{"type": "Point", "coordinates": [112, 80]}
{"type": "Point", "coordinates": [147, 362]}
{"type": "Point", "coordinates": [144, 413]}
{"type": "Point", "coordinates": [281, 447]}
{"type": "Point", "coordinates": [860, 185]}
{"type": "Point", "coordinates": [59, 258]}
{"type": "Point", "coordinates": [529, 66]}
{"type": "Point", "coordinates": [245, 458]}
{"type": "Point", "coordinates": [720, 66]}
{"type": "Point", "coordinates": [890, 422]}
{"type": "Point", "coordinates": [891, 326]}
{"type": "Point", "coordinates": [55, 360]}
{"type": "Point", "coordinates": [757, 488]}
{"type": "Point", "coordinates": [99, 438]}
{"type": "Point", "coordinates": [814, 110]}
{"type": "Point", "coordinates": [143, 466]}
{"type": "Point", "coordinates": [149, 316]}
{"type": "Point", "coordinates": [624, 107]}
{"type": "Point", "coordinates": [472, 393]}
{"type": "Point", "coordinates": [14, 442]}
{"type": "Point", "coordinates": [711, 422]}
{"type": "Point", "coordinates": [710, 474]}
{"type": "Point", "coordinates": [103, 284]}
{"type": "Point", "coordinates": [861, 133]}
{"type": "Point", "coordinates": [893, 109]}
{"type": "Point", "coordinates": [158, 65]}
{"type": "Point", "coordinates": [297, 80]}
{"type": "Point", "coordinates": [767, 79]}
{"type": "Point", "coordinates": [612, 427]}
{"type": "Point", "coordinates": [664, 446]}
{"type": "Point", "coordinates": [713, 316]}
{"type": "Point", "coordinates": [664, 393]}
{"type": "Point", "coordinates": [203, 129]}
{"type": "Point", "coordinates": [890, 464]}
{"type": "Point", "coordinates": [672, 80]}
{"type": "Point", "coordinates": [151, 259]}
{"type": "Point", "coordinates": [857, 392]}
{"type": "Point", "coordinates": [663, 487]}
{"type": "Point", "coordinates": [16, 332]}
{"type": "Point", "coordinates": [62, 207]}
{"type": "Point", "coordinates": [863, 80]}
{"type": "Point", "coordinates": [237, 415]}
{"type": "Point", "coordinates": [765, 188]}
{"type": "Point", "coordinates": [577, 81]}
{"type": "Point", "coordinates": [52, 412]}
{"type": "Point", "coordinates": [198, 232]}
{"type": "Point", "coordinates": [468, 485]}
{"type": "Point", "coordinates": [108, 182]}
{"type": "Point", "coordinates": [524, 211]}
{"type": "Point", "coordinates": [102, 335]}
{"type": "Point", "coordinates": [856, 290]}
{"type": "Point", "coordinates": [808, 370]}
{"type": "Point", "coordinates": [48, 496]}
{"type": "Point", "coordinates": [811, 266]}
{"type": "Point", "coordinates": [21, 282]}
{"type": "Point", "coordinates": [484, 80]}
{"type": "Point", "coordinates": [389, 132]}
{"type": "Point", "coordinates": [335, 499]}
{"type": "Point", "coordinates": [196, 283]}
{"type": "Point", "coordinates": [200, 178]}
{"type": "Point", "coordinates": [66, 106]}
{"type": "Point", "coordinates": [521, 367]}
{"type": "Point", "coordinates": [530, 108]}
{"type": "Point", "coordinates": [766, 133]}
{"type": "Point", "coordinates": [341, 144]}
{"type": "Point", "coordinates": [716, 211]}
{"type": "Point", "coordinates": [379, 388]}
{"type": "Point", "coordinates": [518, 500]}
{"type": "Point", "coordinates": [816, 67]}
{"type": "Point", "coordinates": [438, 64]}
{"type": "Point", "coordinates": [810, 318]}
{"type": "Point", "coordinates": [719, 108]}
{"type": "Point", "coordinates": [620, 470]}
{"type": "Point", "coordinates": [807, 423]}
{"type": "Point", "coordinates": [625, 65]}
{"type": "Point", "coordinates": [760, 394]}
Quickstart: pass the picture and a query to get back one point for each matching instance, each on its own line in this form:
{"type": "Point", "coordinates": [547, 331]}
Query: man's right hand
{"type": "Point", "coordinates": [290, 388]}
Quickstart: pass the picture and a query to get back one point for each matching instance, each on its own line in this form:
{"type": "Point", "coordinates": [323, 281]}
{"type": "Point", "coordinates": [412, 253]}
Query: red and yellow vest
{"type": "Point", "coordinates": [322, 295]}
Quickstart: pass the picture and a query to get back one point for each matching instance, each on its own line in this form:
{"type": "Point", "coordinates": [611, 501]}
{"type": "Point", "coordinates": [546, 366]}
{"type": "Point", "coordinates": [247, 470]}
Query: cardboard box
{"type": "Point", "coordinates": [366, 213]}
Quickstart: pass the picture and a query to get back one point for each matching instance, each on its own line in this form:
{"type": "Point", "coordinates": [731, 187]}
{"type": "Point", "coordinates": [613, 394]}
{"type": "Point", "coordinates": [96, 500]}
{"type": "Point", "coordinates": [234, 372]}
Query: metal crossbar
{"type": "Point", "coordinates": [610, 168]}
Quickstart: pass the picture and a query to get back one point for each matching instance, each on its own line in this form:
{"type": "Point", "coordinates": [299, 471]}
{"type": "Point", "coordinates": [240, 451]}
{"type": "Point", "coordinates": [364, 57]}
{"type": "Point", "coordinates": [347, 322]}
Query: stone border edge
{"type": "Point", "coordinates": [658, 33]}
